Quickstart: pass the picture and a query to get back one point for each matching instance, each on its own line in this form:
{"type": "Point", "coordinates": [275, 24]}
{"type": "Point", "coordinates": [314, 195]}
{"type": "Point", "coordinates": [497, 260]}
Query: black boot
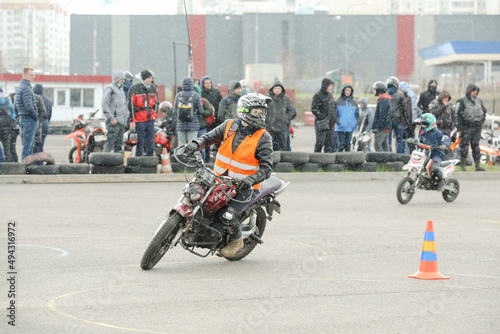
{"type": "Point", "coordinates": [462, 164]}
{"type": "Point", "coordinates": [478, 166]}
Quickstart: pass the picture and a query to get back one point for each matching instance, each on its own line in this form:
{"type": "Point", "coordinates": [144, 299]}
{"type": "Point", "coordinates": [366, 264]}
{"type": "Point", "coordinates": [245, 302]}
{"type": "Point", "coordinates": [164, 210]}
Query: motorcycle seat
{"type": "Point", "coordinates": [267, 187]}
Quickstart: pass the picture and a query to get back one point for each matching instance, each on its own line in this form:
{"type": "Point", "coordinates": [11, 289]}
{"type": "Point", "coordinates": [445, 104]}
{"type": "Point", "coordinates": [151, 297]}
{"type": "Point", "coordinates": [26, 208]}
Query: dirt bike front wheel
{"type": "Point", "coordinates": [250, 244]}
{"type": "Point", "coordinates": [451, 195]}
{"type": "Point", "coordinates": [161, 242]}
{"type": "Point", "coordinates": [73, 155]}
{"type": "Point", "coordinates": [405, 190]}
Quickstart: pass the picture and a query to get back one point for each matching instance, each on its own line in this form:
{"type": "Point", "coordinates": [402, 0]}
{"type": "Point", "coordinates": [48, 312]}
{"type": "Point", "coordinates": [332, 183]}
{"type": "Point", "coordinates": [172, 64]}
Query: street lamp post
{"type": "Point", "coordinates": [175, 66]}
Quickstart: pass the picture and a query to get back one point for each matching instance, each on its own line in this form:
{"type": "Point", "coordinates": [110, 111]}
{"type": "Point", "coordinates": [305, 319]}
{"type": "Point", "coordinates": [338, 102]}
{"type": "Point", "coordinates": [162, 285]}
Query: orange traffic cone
{"type": "Point", "coordinates": [428, 261]}
{"type": "Point", "coordinates": [166, 167]}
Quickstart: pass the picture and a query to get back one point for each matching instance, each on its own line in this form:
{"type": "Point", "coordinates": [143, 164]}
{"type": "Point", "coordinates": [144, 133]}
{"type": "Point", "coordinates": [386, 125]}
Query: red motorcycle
{"type": "Point", "coordinates": [194, 222]}
{"type": "Point", "coordinates": [87, 138]}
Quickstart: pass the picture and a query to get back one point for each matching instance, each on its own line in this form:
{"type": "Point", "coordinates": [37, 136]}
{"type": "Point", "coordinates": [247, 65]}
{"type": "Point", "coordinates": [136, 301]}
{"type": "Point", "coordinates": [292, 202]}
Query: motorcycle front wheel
{"type": "Point", "coordinates": [405, 190]}
{"type": "Point", "coordinates": [161, 242]}
{"type": "Point", "coordinates": [451, 195]}
{"type": "Point", "coordinates": [250, 244]}
{"type": "Point", "coordinates": [73, 155]}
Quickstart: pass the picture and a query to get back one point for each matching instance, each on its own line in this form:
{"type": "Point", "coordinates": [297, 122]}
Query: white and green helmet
{"type": "Point", "coordinates": [249, 101]}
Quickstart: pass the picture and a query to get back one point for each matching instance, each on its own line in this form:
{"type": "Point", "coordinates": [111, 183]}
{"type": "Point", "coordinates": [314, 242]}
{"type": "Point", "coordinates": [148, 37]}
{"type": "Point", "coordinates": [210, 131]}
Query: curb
{"type": "Point", "coordinates": [178, 177]}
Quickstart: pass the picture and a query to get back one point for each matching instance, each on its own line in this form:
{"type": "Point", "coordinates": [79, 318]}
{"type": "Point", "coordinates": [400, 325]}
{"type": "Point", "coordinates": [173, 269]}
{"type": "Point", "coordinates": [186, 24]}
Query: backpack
{"type": "Point", "coordinates": [185, 108]}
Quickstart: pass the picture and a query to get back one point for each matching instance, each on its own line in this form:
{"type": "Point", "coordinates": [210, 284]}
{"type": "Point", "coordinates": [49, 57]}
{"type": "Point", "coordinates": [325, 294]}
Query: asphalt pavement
{"type": "Point", "coordinates": [335, 261]}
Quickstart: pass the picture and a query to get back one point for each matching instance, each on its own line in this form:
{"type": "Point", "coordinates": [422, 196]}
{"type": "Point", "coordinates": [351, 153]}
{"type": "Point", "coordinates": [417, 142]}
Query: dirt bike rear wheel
{"type": "Point", "coordinates": [405, 190]}
{"type": "Point", "coordinates": [161, 242]}
{"type": "Point", "coordinates": [250, 244]}
{"type": "Point", "coordinates": [451, 195]}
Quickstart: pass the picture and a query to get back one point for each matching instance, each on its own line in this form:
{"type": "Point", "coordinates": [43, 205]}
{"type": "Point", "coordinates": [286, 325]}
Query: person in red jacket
{"type": "Point", "coordinates": [142, 105]}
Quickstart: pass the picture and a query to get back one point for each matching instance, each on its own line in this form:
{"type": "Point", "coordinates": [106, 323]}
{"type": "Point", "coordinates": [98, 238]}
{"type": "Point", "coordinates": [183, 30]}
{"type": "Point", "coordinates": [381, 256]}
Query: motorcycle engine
{"type": "Point", "coordinates": [203, 235]}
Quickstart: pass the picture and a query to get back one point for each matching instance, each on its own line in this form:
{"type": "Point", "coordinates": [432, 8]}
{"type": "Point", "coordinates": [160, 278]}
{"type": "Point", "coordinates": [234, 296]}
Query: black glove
{"type": "Point", "coordinates": [191, 148]}
{"type": "Point", "coordinates": [245, 183]}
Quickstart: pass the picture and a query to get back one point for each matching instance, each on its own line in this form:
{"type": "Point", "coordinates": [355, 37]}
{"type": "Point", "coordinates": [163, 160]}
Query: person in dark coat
{"type": "Point", "coordinates": [280, 113]}
{"type": "Point", "coordinates": [471, 114]}
{"type": "Point", "coordinates": [398, 113]}
{"type": "Point", "coordinates": [38, 89]}
{"type": "Point", "coordinates": [382, 120]}
{"type": "Point", "coordinates": [42, 114]}
{"type": "Point", "coordinates": [428, 96]}
{"type": "Point", "coordinates": [188, 131]}
{"type": "Point", "coordinates": [25, 103]}
{"type": "Point", "coordinates": [7, 118]}
{"type": "Point", "coordinates": [323, 107]}
{"type": "Point", "coordinates": [347, 117]}
{"type": "Point", "coordinates": [16, 129]}
{"type": "Point", "coordinates": [442, 109]}
{"type": "Point", "coordinates": [228, 105]}
{"type": "Point", "coordinates": [213, 95]}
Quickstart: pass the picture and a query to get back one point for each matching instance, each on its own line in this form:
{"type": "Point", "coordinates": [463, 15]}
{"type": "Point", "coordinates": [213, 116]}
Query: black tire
{"type": "Point", "coordinates": [12, 168]}
{"type": "Point", "coordinates": [381, 157]}
{"type": "Point", "coordinates": [142, 161]}
{"type": "Point", "coordinates": [106, 169]}
{"type": "Point", "coordinates": [250, 243]}
{"type": "Point", "coordinates": [404, 158]}
{"type": "Point", "coordinates": [43, 170]}
{"type": "Point", "coordinates": [106, 159]}
{"type": "Point", "coordinates": [450, 196]}
{"type": "Point", "coordinates": [370, 166]}
{"type": "Point", "coordinates": [285, 156]}
{"type": "Point", "coordinates": [334, 167]}
{"type": "Point", "coordinates": [309, 167]}
{"type": "Point", "coordinates": [297, 158]}
{"type": "Point", "coordinates": [283, 167]}
{"type": "Point", "coordinates": [397, 166]}
{"type": "Point", "coordinates": [276, 157]}
{"type": "Point", "coordinates": [177, 167]}
{"type": "Point", "coordinates": [161, 241]}
{"type": "Point", "coordinates": [354, 167]}
{"type": "Point", "coordinates": [350, 157]}
{"type": "Point", "coordinates": [73, 155]}
{"type": "Point", "coordinates": [74, 169]}
{"type": "Point", "coordinates": [323, 158]}
{"type": "Point", "coordinates": [141, 170]}
{"type": "Point", "coordinates": [405, 190]}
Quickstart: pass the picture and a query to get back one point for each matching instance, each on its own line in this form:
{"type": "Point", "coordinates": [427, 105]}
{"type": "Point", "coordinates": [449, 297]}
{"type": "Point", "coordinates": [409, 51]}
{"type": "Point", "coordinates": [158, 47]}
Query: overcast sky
{"type": "Point", "coordinates": [119, 7]}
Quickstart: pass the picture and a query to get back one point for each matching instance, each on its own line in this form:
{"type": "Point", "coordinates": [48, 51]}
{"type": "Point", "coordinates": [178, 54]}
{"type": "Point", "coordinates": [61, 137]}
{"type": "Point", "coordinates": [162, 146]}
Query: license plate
{"type": "Point", "coordinates": [100, 138]}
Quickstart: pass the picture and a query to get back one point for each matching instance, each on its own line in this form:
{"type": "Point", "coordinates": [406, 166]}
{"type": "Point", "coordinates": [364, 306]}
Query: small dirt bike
{"type": "Point", "coordinates": [195, 221]}
{"type": "Point", "coordinates": [87, 139]}
{"type": "Point", "coordinates": [419, 165]}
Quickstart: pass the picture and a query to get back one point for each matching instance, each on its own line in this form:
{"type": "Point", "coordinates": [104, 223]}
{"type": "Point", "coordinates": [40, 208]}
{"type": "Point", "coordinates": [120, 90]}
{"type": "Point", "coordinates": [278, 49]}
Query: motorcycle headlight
{"type": "Point", "coordinates": [195, 192]}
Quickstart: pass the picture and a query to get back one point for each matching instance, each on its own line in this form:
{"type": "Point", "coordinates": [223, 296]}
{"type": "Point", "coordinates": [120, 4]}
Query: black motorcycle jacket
{"type": "Point", "coordinates": [263, 153]}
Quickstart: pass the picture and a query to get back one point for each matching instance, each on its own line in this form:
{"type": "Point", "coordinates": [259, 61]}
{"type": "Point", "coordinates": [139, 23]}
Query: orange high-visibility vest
{"type": "Point", "coordinates": [242, 162]}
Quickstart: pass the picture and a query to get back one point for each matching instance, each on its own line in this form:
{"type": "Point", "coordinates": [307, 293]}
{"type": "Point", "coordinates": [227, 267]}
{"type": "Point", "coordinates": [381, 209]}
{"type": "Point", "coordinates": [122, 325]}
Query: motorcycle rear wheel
{"type": "Point", "coordinates": [405, 190]}
{"type": "Point", "coordinates": [250, 244]}
{"type": "Point", "coordinates": [450, 196]}
{"type": "Point", "coordinates": [161, 242]}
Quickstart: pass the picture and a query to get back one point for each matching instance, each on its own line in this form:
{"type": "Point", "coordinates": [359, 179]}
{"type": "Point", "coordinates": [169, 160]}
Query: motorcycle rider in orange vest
{"type": "Point", "coordinates": [245, 154]}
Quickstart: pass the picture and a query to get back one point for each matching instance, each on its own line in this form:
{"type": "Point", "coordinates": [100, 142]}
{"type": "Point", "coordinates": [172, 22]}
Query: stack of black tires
{"type": "Point", "coordinates": [338, 162]}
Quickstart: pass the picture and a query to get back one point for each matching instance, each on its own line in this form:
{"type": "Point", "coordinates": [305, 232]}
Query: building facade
{"type": "Point", "coordinates": [34, 33]}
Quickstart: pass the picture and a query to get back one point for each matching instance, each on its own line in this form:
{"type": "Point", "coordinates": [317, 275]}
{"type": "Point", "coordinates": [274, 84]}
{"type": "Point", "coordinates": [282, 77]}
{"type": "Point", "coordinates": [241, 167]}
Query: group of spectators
{"type": "Point", "coordinates": [198, 108]}
{"type": "Point", "coordinates": [397, 109]}
{"type": "Point", "coordinates": [135, 106]}
{"type": "Point", "coordinates": [27, 111]}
